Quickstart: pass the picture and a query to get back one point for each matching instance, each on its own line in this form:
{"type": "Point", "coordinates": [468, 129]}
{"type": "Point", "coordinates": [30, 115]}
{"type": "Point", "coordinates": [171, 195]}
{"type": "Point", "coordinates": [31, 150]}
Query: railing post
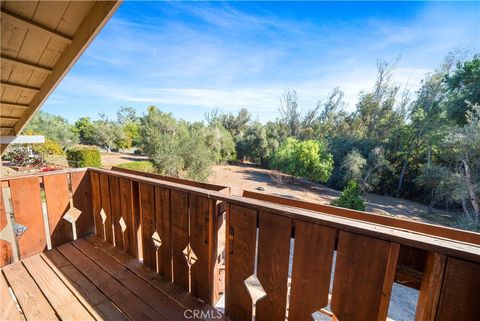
{"type": "Point", "coordinates": [431, 286]}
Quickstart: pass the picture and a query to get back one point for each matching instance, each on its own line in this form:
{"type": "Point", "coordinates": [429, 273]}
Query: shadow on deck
{"type": "Point", "coordinates": [89, 279]}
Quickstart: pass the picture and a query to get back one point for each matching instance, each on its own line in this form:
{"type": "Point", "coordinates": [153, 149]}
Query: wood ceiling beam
{"type": "Point", "coordinates": [19, 86]}
{"type": "Point", "coordinates": [24, 63]}
{"type": "Point", "coordinates": [13, 17]}
{"type": "Point", "coordinates": [9, 117]}
{"type": "Point", "coordinates": [91, 25]}
{"type": "Point", "coordinates": [7, 104]}
{"type": "Point", "coordinates": [10, 129]}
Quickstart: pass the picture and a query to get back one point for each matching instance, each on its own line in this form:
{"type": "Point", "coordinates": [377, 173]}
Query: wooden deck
{"type": "Point", "coordinates": [89, 279]}
{"type": "Point", "coordinates": [160, 244]}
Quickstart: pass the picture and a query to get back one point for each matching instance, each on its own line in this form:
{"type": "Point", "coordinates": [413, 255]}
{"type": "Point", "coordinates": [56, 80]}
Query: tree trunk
{"type": "Point", "coordinates": [402, 175]}
{"type": "Point", "coordinates": [471, 191]}
{"type": "Point", "coordinates": [430, 207]}
{"type": "Point", "coordinates": [432, 202]}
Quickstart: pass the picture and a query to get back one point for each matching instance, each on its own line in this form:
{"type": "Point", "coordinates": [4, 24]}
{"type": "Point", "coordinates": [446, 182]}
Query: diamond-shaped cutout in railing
{"type": "Point", "coordinates": [103, 215]}
{"type": "Point", "coordinates": [72, 215]}
{"type": "Point", "coordinates": [157, 240]}
{"type": "Point", "coordinates": [190, 255]}
{"type": "Point", "coordinates": [123, 226]}
{"type": "Point", "coordinates": [254, 288]}
{"type": "Point", "coordinates": [319, 316]}
{"type": "Point", "coordinates": [8, 233]}
{"type": "Point", "coordinates": [325, 314]}
{"type": "Point", "coordinates": [19, 229]}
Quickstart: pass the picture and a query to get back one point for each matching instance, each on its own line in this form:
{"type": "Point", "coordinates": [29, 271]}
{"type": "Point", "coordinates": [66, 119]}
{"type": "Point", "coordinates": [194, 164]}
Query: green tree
{"type": "Point", "coordinates": [353, 165]}
{"type": "Point", "coordinates": [53, 127]}
{"type": "Point", "coordinates": [253, 145]}
{"type": "Point", "coordinates": [220, 142]}
{"type": "Point", "coordinates": [197, 157]}
{"type": "Point", "coordinates": [427, 123]}
{"type": "Point", "coordinates": [464, 145]}
{"type": "Point", "coordinates": [175, 147]}
{"type": "Point", "coordinates": [85, 130]}
{"type": "Point", "coordinates": [309, 159]}
{"type": "Point", "coordinates": [351, 197]}
{"type": "Point", "coordinates": [235, 124]}
{"type": "Point", "coordinates": [375, 116]}
{"type": "Point", "coordinates": [105, 133]}
{"type": "Point", "coordinates": [463, 89]}
{"type": "Point", "coordinates": [314, 160]}
{"type": "Point", "coordinates": [161, 137]}
{"type": "Point", "coordinates": [377, 167]}
{"type": "Point", "coordinates": [128, 122]}
{"type": "Point", "coordinates": [290, 112]}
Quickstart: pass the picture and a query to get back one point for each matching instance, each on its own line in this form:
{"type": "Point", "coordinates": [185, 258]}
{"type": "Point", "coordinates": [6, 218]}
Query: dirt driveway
{"type": "Point", "coordinates": [112, 159]}
{"type": "Point", "coordinates": [247, 177]}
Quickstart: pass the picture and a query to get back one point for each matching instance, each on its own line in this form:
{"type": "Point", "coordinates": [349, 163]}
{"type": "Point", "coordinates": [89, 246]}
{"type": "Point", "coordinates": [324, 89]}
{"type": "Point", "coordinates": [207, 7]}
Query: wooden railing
{"type": "Point", "coordinates": [411, 261]}
{"type": "Point", "coordinates": [366, 265]}
{"type": "Point", "coordinates": [43, 210]}
{"type": "Point", "coordinates": [165, 222]}
{"type": "Point", "coordinates": [281, 256]}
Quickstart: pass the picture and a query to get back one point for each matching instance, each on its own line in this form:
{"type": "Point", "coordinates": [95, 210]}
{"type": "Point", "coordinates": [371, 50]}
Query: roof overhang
{"type": "Point", "coordinates": [40, 42]}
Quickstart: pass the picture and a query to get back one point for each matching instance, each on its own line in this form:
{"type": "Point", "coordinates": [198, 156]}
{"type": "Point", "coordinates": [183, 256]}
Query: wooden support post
{"type": "Point", "coordinates": [431, 286]}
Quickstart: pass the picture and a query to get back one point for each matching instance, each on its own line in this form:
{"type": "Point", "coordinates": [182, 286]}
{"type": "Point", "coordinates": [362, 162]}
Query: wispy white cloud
{"type": "Point", "coordinates": [221, 55]}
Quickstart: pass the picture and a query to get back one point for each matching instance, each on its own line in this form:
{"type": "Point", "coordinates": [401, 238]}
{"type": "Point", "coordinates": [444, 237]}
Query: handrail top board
{"type": "Point", "coordinates": [422, 227]}
{"type": "Point", "coordinates": [42, 174]}
{"type": "Point", "coordinates": [407, 237]}
{"type": "Point", "coordinates": [188, 182]}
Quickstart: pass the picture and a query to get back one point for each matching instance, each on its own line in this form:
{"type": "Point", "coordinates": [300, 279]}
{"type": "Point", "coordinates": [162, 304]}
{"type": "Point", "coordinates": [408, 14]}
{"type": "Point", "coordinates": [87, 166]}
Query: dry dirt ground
{"type": "Point", "coordinates": [247, 177]}
{"type": "Point", "coordinates": [112, 159]}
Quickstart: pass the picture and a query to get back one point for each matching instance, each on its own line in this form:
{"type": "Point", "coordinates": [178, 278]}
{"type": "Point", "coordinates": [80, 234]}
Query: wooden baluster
{"type": "Point", "coordinates": [57, 197]}
{"type": "Point", "coordinates": [460, 296]}
{"type": "Point", "coordinates": [97, 204]}
{"type": "Point", "coordinates": [241, 242]}
{"type": "Point", "coordinates": [312, 266]}
{"type": "Point", "coordinates": [116, 210]}
{"type": "Point", "coordinates": [127, 212]}
{"type": "Point", "coordinates": [272, 265]}
{"type": "Point", "coordinates": [163, 228]}
{"type": "Point", "coordinates": [429, 294]}
{"type": "Point", "coordinates": [180, 240]}
{"type": "Point", "coordinates": [147, 208]}
{"type": "Point", "coordinates": [105, 197]}
{"type": "Point", "coordinates": [27, 208]}
{"type": "Point", "coordinates": [363, 279]}
{"type": "Point", "coordinates": [82, 199]}
{"type": "Point", "coordinates": [200, 217]}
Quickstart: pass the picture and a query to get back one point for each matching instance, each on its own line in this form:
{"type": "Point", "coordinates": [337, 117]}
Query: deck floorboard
{"type": "Point", "coordinates": [31, 300]}
{"type": "Point", "coordinates": [170, 289]}
{"type": "Point", "coordinates": [55, 291]}
{"type": "Point", "coordinates": [89, 279]}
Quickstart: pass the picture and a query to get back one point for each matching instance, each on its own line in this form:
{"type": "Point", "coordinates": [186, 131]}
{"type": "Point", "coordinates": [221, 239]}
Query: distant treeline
{"type": "Point", "coordinates": [422, 145]}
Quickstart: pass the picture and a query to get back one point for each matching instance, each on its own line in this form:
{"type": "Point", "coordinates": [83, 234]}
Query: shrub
{"type": "Point", "coordinates": [175, 148]}
{"type": "Point", "coordinates": [50, 147]}
{"type": "Point", "coordinates": [83, 157]}
{"type": "Point", "coordinates": [350, 197]}
{"type": "Point", "coordinates": [309, 159]}
{"type": "Point", "coordinates": [468, 221]}
{"type": "Point", "coordinates": [142, 166]}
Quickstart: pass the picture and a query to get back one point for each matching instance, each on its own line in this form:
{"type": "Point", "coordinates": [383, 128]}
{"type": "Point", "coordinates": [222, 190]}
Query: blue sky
{"type": "Point", "coordinates": [189, 57]}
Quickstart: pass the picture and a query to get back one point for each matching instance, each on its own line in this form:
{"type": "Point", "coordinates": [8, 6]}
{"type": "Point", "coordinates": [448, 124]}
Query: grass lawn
{"type": "Point", "coordinates": [143, 166]}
